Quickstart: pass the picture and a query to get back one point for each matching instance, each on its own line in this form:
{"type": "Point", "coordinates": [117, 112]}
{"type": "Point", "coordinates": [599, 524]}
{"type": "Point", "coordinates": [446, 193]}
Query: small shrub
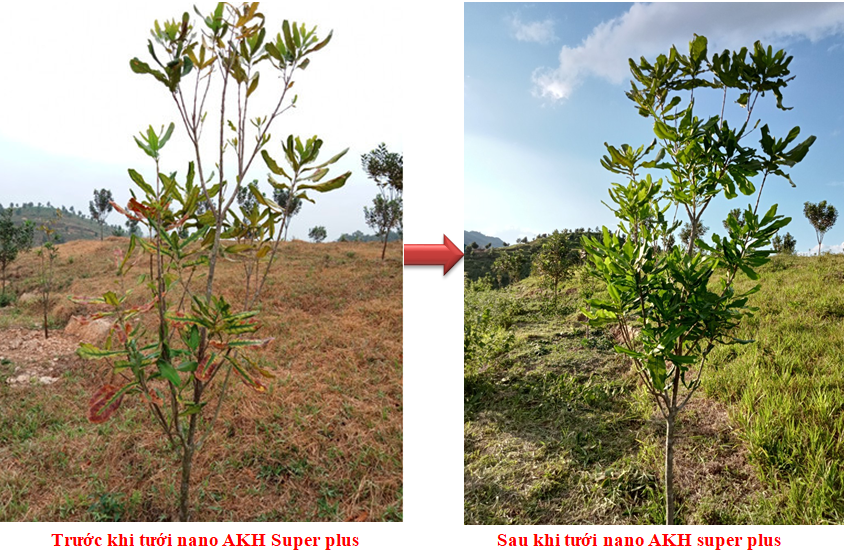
{"type": "Point", "coordinates": [6, 299]}
{"type": "Point", "coordinates": [107, 508]}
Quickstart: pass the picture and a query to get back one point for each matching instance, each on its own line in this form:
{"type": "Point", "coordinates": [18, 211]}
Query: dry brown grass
{"type": "Point", "coordinates": [325, 442]}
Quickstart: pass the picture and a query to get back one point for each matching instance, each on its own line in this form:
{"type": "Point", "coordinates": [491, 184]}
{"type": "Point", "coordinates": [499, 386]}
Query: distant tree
{"type": "Point", "coordinates": [117, 230]}
{"type": "Point", "coordinates": [49, 205]}
{"type": "Point", "coordinates": [13, 239]}
{"type": "Point", "coordinates": [505, 244]}
{"type": "Point", "coordinates": [289, 206]}
{"type": "Point", "coordinates": [488, 246]}
{"type": "Point", "coordinates": [100, 207]}
{"type": "Point", "coordinates": [509, 264]}
{"type": "Point", "coordinates": [467, 250]}
{"type": "Point", "coordinates": [40, 205]}
{"type": "Point", "coordinates": [245, 198]}
{"type": "Point", "coordinates": [822, 216]}
{"type": "Point", "coordinates": [474, 245]}
{"type": "Point", "coordinates": [555, 259]}
{"type": "Point", "coordinates": [71, 209]}
{"type": "Point", "coordinates": [132, 227]}
{"type": "Point", "coordinates": [317, 234]}
{"type": "Point", "coordinates": [785, 245]}
{"type": "Point", "coordinates": [690, 233]}
{"type": "Point", "coordinates": [386, 169]}
{"type": "Point", "coordinates": [736, 214]}
{"type": "Point", "coordinates": [357, 236]}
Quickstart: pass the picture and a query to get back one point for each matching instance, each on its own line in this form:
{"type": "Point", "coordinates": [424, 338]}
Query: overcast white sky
{"type": "Point", "coordinates": [71, 104]}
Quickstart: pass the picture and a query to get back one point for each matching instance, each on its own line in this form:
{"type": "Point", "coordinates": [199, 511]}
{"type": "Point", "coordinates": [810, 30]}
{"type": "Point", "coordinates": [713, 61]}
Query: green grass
{"type": "Point", "coordinates": [558, 431]}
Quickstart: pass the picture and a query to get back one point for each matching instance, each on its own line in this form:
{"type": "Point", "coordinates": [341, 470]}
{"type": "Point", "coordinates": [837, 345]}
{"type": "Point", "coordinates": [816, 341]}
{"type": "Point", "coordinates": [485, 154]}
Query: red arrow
{"type": "Point", "coordinates": [445, 254]}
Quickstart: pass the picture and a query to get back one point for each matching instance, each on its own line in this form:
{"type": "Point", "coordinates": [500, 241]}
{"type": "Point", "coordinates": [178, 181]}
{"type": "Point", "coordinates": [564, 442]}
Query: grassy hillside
{"type": "Point", "coordinates": [323, 444]}
{"type": "Point", "coordinates": [478, 263]}
{"type": "Point", "coordinates": [70, 227]}
{"type": "Point", "coordinates": [557, 429]}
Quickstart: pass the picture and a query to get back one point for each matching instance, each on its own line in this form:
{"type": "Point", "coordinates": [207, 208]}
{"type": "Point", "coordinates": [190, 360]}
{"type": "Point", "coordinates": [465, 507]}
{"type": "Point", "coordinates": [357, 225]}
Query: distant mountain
{"type": "Point", "coordinates": [474, 236]}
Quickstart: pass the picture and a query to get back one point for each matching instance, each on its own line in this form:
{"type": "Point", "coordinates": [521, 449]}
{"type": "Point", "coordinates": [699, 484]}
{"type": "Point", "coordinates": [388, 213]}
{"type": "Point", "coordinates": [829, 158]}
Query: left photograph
{"type": "Point", "coordinates": [193, 324]}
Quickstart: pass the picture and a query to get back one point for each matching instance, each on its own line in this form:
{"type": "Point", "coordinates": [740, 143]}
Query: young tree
{"type": "Point", "coordinates": [386, 169]}
{"type": "Point", "coordinates": [13, 239]}
{"type": "Point", "coordinates": [822, 217]}
{"type": "Point", "coordinates": [784, 245]}
{"type": "Point", "coordinates": [555, 259]}
{"type": "Point", "coordinates": [200, 339]}
{"type": "Point", "coordinates": [317, 234]}
{"type": "Point", "coordinates": [100, 207]}
{"type": "Point", "coordinates": [681, 302]}
{"type": "Point", "coordinates": [47, 254]}
{"type": "Point", "coordinates": [509, 264]}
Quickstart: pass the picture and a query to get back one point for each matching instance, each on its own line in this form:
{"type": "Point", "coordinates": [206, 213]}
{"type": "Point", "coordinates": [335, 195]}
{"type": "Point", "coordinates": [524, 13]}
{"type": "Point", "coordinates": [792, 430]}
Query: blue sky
{"type": "Point", "coordinates": [544, 88]}
{"type": "Point", "coordinates": [68, 123]}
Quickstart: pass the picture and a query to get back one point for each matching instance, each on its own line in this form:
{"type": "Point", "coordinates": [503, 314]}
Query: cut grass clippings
{"type": "Point", "coordinates": [323, 444]}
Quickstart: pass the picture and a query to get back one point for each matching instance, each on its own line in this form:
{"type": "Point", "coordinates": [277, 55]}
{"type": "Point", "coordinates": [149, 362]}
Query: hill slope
{"type": "Point", "coordinates": [70, 227]}
{"type": "Point", "coordinates": [474, 236]}
{"type": "Point", "coordinates": [556, 413]}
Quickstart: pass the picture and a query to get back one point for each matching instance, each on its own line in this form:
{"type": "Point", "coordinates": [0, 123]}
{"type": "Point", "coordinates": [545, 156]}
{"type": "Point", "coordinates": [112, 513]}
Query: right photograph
{"type": "Point", "coordinates": [654, 271]}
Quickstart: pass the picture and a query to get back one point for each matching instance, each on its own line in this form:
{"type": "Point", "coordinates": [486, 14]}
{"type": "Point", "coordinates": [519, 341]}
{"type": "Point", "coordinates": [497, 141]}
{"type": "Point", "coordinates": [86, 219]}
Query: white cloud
{"type": "Point", "coordinates": [651, 29]}
{"type": "Point", "coordinates": [533, 31]}
{"type": "Point", "coordinates": [825, 248]}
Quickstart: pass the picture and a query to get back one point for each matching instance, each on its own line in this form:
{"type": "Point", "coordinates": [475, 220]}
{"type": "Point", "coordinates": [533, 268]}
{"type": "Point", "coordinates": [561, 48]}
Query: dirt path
{"type": "Point", "coordinates": [31, 359]}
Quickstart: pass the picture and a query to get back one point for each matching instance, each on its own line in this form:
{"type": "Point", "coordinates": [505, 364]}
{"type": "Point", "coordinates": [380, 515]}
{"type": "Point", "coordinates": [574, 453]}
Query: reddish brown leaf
{"type": "Point", "coordinates": [254, 384]}
{"type": "Point", "coordinates": [204, 372]}
{"type": "Point", "coordinates": [134, 216]}
{"type": "Point", "coordinates": [104, 403]}
{"type": "Point", "coordinates": [121, 335]}
{"type": "Point", "coordinates": [178, 223]}
{"type": "Point", "coordinates": [153, 397]}
{"type": "Point", "coordinates": [139, 208]}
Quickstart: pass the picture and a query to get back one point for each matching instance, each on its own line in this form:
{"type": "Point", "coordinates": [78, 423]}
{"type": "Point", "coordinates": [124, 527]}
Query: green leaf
{"type": "Point", "coordinates": [139, 180]}
{"type": "Point", "coordinates": [187, 366]}
{"type": "Point", "coordinates": [249, 342]}
{"type": "Point", "coordinates": [288, 38]}
{"type": "Point", "coordinates": [88, 351]}
{"type": "Point", "coordinates": [332, 184]}
{"type": "Point", "coordinates": [111, 299]}
{"type": "Point", "coordinates": [169, 373]}
{"type": "Point", "coordinates": [321, 45]}
{"type": "Point", "coordinates": [272, 165]}
{"type": "Point", "coordinates": [253, 84]}
{"type": "Point", "coordinates": [193, 338]}
{"type": "Point", "coordinates": [166, 136]}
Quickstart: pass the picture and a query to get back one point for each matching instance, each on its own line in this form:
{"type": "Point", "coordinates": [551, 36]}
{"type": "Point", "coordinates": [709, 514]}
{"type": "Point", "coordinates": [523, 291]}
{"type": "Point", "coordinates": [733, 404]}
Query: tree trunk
{"type": "Point", "coordinates": [46, 331]}
{"type": "Point", "coordinates": [669, 469]}
{"type": "Point", "coordinates": [184, 494]}
{"type": "Point", "coordinates": [187, 457]}
{"type": "Point", "coordinates": [384, 250]}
